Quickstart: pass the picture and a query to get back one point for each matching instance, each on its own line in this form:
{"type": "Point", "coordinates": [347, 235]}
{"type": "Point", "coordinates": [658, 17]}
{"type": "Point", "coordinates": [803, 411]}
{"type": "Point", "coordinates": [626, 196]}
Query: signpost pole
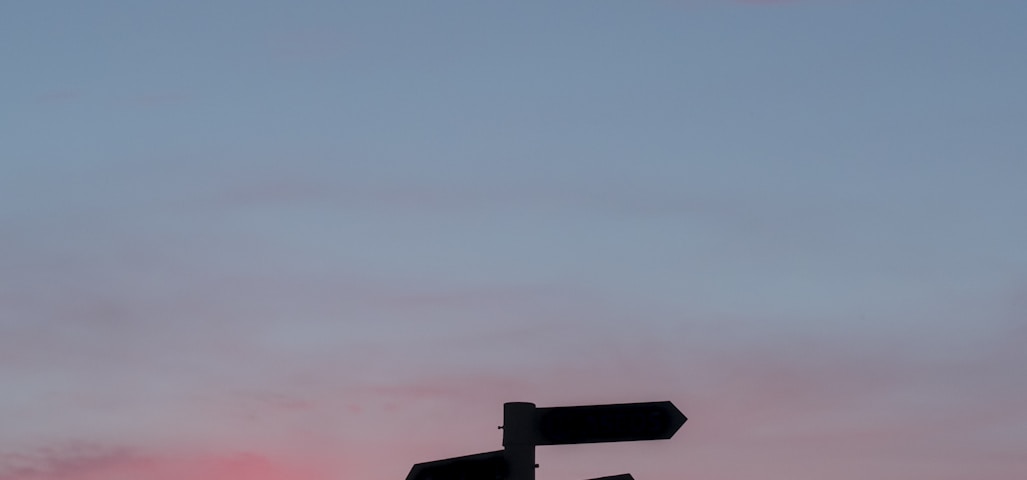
{"type": "Point", "coordinates": [518, 439]}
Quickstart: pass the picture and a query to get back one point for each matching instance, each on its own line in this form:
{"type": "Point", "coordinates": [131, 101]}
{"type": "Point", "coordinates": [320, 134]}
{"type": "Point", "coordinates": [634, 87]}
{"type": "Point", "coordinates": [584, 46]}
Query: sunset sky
{"type": "Point", "coordinates": [326, 240]}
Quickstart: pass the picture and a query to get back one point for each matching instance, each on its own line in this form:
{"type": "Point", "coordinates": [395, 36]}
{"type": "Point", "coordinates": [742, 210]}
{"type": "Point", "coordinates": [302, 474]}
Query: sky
{"type": "Point", "coordinates": [327, 240]}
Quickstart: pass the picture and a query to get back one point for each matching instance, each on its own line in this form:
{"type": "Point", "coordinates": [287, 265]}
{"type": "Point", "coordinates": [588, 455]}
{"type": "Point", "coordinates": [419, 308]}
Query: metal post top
{"type": "Point", "coordinates": [518, 424]}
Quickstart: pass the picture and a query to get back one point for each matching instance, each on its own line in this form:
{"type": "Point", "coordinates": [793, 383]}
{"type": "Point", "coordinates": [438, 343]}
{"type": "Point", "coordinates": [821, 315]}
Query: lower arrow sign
{"type": "Point", "coordinates": [480, 466]}
{"type": "Point", "coordinates": [623, 476]}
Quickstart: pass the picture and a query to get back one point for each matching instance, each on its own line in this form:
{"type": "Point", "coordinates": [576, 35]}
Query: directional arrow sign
{"type": "Point", "coordinates": [481, 466]}
{"type": "Point", "coordinates": [623, 476]}
{"type": "Point", "coordinates": [623, 422]}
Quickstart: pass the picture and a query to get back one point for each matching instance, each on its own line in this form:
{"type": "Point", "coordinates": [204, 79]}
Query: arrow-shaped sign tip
{"type": "Point", "coordinates": [677, 418]}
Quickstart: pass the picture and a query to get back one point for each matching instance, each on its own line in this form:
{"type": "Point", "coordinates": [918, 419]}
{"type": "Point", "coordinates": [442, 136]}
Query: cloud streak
{"type": "Point", "coordinates": [93, 462]}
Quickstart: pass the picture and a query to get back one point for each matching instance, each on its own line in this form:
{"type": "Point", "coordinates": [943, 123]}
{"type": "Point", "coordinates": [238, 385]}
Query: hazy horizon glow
{"type": "Point", "coordinates": [328, 239]}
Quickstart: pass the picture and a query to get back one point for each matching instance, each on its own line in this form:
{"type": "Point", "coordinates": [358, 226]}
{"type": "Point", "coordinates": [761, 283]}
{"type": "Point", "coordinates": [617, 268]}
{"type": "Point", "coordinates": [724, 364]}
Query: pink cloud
{"type": "Point", "coordinates": [82, 462]}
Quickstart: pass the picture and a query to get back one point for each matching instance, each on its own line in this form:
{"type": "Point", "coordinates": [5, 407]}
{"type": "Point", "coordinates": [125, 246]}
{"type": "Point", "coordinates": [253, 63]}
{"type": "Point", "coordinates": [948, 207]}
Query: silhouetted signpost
{"type": "Point", "coordinates": [525, 427]}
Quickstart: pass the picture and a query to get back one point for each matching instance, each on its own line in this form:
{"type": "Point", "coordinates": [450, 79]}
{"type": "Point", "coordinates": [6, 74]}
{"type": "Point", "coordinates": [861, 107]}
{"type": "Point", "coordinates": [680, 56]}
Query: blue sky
{"type": "Point", "coordinates": [295, 241]}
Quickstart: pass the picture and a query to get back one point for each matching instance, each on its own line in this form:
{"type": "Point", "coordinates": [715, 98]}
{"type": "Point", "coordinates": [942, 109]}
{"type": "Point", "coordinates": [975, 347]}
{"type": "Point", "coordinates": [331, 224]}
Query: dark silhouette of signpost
{"type": "Point", "coordinates": [525, 427]}
{"type": "Point", "coordinates": [519, 434]}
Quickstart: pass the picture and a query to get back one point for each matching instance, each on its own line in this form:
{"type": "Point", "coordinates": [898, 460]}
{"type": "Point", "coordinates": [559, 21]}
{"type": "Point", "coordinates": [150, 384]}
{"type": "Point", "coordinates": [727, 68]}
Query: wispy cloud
{"type": "Point", "coordinates": [58, 97]}
{"type": "Point", "coordinates": [747, 213]}
{"type": "Point", "coordinates": [159, 99]}
{"type": "Point", "coordinates": [74, 460]}
{"type": "Point", "coordinates": [94, 462]}
{"type": "Point", "coordinates": [312, 45]}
